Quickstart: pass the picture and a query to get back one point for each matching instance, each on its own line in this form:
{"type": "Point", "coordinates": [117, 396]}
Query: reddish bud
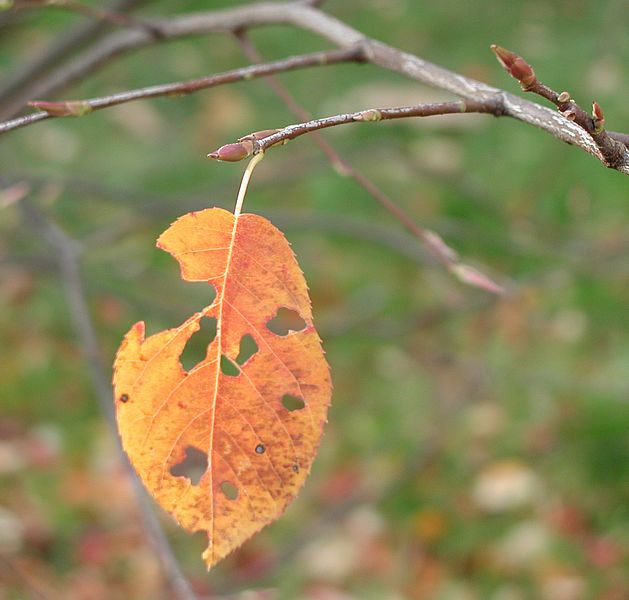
{"type": "Point", "coordinates": [233, 152]}
{"type": "Point", "coordinates": [74, 108]}
{"type": "Point", "coordinates": [598, 117]}
{"type": "Point", "coordinates": [516, 66]}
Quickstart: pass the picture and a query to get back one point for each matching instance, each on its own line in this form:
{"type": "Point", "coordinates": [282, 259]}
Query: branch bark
{"type": "Point", "coordinates": [307, 17]}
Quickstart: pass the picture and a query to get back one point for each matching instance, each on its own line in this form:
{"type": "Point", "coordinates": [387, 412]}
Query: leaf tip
{"type": "Point", "coordinates": [138, 329]}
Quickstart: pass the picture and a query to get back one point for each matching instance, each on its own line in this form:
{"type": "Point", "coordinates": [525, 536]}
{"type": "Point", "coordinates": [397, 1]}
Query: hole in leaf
{"type": "Point", "coordinates": [196, 347]}
{"type": "Point", "coordinates": [230, 490]}
{"type": "Point", "coordinates": [292, 403]}
{"type": "Point", "coordinates": [248, 348]}
{"type": "Point", "coordinates": [192, 466]}
{"type": "Point", "coordinates": [260, 449]}
{"type": "Point", "coordinates": [285, 321]}
{"type": "Point", "coordinates": [228, 367]}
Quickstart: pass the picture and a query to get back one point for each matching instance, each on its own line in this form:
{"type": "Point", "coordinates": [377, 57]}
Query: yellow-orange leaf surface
{"type": "Point", "coordinates": [259, 426]}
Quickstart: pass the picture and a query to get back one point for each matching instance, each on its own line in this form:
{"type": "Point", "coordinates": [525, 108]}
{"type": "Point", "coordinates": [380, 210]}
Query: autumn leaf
{"type": "Point", "coordinates": [252, 411]}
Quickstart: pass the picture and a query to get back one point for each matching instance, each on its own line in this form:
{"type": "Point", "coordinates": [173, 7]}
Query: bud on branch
{"type": "Point", "coordinates": [233, 152]}
{"type": "Point", "coordinates": [598, 117]}
{"type": "Point", "coordinates": [516, 66]}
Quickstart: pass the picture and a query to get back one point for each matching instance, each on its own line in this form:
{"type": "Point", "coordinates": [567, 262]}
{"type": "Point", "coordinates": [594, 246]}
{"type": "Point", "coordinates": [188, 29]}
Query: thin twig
{"type": "Point", "coordinates": [66, 253]}
{"type": "Point", "coordinates": [49, 110]}
{"type": "Point", "coordinates": [261, 141]}
{"type": "Point", "coordinates": [430, 240]}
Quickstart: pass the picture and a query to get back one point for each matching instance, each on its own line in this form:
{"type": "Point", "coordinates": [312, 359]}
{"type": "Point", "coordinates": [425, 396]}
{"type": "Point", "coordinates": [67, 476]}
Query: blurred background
{"type": "Point", "coordinates": [477, 447]}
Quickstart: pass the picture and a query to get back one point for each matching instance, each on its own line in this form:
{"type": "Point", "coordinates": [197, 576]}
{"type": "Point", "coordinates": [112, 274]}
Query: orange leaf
{"type": "Point", "coordinates": [257, 424]}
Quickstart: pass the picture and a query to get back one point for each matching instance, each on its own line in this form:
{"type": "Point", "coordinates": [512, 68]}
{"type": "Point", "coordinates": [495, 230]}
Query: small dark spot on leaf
{"type": "Point", "coordinates": [296, 468]}
{"type": "Point", "coordinates": [124, 398]}
{"type": "Point", "coordinates": [228, 367]}
{"type": "Point", "coordinates": [292, 403]}
{"type": "Point", "coordinates": [230, 490]}
{"type": "Point", "coordinates": [285, 321]}
{"type": "Point", "coordinates": [192, 466]}
{"type": "Point", "coordinates": [260, 449]}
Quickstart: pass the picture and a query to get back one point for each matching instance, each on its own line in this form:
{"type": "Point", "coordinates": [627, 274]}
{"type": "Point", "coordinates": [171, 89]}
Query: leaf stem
{"type": "Point", "coordinates": [244, 184]}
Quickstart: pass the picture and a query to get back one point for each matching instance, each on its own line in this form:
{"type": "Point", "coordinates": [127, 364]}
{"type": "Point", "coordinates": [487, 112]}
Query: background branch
{"type": "Point", "coordinates": [66, 253]}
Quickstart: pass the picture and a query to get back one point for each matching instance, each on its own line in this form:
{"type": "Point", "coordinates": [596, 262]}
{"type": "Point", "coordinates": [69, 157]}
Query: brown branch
{"type": "Point", "coordinates": [77, 108]}
{"type": "Point", "coordinates": [429, 109]}
{"type": "Point", "coordinates": [119, 43]}
{"type": "Point", "coordinates": [302, 15]}
{"type": "Point", "coordinates": [613, 151]}
{"type": "Point", "coordinates": [431, 241]}
{"type": "Point", "coordinates": [621, 137]}
{"type": "Point", "coordinates": [260, 141]}
{"type": "Point", "coordinates": [66, 253]}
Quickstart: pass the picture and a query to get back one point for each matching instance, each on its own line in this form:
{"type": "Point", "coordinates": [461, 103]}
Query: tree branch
{"type": "Point", "coordinates": [77, 108]}
{"type": "Point", "coordinates": [621, 137]}
{"type": "Point", "coordinates": [613, 150]}
{"type": "Point", "coordinates": [260, 141]}
{"type": "Point", "coordinates": [119, 43]}
{"type": "Point", "coordinates": [302, 15]}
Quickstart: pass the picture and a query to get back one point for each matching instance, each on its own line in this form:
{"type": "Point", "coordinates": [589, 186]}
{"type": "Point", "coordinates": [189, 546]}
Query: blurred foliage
{"type": "Point", "coordinates": [478, 448]}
